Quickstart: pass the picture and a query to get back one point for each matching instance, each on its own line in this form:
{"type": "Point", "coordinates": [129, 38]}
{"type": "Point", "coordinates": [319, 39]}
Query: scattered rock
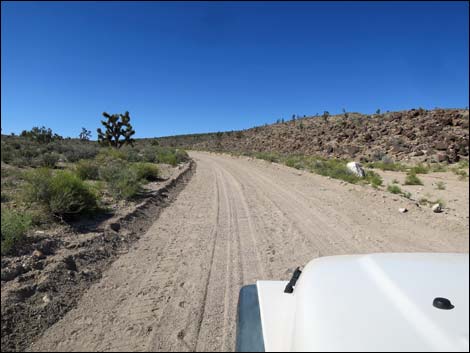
{"type": "Point", "coordinates": [70, 263]}
{"type": "Point", "coordinates": [37, 254]}
{"type": "Point", "coordinates": [25, 292]}
{"type": "Point", "coordinates": [403, 210]}
{"type": "Point", "coordinates": [115, 226]}
{"type": "Point", "coordinates": [440, 145]}
{"type": "Point", "coordinates": [437, 208]}
{"type": "Point", "coordinates": [357, 169]}
{"type": "Point", "coordinates": [12, 272]}
{"type": "Point", "coordinates": [399, 135]}
{"type": "Point", "coordinates": [46, 299]}
{"type": "Point", "coordinates": [441, 157]}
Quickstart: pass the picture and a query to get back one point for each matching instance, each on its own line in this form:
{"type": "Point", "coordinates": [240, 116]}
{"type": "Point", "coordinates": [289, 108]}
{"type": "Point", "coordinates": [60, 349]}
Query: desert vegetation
{"type": "Point", "coordinates": [333, 168]}
{"type": "Point", "coordinates": [47, 179]}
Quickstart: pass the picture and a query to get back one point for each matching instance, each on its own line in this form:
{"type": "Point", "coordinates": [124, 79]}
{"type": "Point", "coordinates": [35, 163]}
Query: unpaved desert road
{"type": "Point", "coordinates": [238, 220]}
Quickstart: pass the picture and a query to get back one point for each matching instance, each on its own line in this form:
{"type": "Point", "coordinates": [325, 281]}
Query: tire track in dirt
{"type": "Point", "coordinates": [235, 222]}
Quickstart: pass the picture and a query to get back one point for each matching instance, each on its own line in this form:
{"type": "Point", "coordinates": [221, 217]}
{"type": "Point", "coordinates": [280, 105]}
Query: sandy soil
{"type": "Point", "coordinates": [237, 221]}
{"type": "Point", "coordinates": [454, 195]}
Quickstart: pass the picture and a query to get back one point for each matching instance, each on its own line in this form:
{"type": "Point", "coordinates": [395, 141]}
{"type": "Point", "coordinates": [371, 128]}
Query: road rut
{"type": "Point", "coordinates": [238, 220]}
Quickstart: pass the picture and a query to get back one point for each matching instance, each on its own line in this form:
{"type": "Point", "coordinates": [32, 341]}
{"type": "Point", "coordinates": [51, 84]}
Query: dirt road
{"type": "Point", "coordinates": [237, 221]}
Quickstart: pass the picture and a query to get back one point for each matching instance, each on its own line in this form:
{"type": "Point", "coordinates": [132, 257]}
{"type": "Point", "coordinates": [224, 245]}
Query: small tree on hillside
{"type": "Point", "coordinates": [377, 111]}
{"type": "Point", "coordinates": [326, 114]}
{"type": "Point", "coordinates": [117, 126]}
{"type": "Point", "coordinates": [85, 135]}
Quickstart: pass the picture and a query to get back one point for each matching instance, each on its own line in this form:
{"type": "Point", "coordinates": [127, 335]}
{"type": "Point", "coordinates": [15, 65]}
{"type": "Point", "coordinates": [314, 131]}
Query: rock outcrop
{"type": "Point", "coordinates": [440, 135]}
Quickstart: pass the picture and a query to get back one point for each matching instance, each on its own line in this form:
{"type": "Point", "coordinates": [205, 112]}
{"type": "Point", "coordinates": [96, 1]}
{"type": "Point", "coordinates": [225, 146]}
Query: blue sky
{"type": "Point", "coordinates": [214, 66]}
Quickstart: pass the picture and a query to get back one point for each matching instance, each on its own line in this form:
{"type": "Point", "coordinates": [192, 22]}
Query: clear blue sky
{"type": "Point", "coordinates": [201, 66]}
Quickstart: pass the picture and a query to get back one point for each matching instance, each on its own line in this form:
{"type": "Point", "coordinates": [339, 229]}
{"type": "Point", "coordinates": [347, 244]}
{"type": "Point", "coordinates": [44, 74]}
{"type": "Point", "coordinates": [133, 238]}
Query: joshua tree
{"type": "Point", "coordinates": [117, 126]}
{"type": "Point", "coordinates": [326, 114]}
{"type": "Point", "coordinates": [85, 134]}
{"type": "Point", "coordinates": [377, 111]}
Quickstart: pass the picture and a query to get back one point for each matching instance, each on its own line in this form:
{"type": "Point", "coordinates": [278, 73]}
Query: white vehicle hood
{"type": "Point", "coordinates": [378, 302]}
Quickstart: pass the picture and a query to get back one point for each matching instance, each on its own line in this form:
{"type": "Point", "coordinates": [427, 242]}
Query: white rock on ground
{"type": "Point", "coordinates": [357, 169]}
{"type": "Point", "coordinates": [403, 210]}
{"type": "Point", "coordinates": [437, 208]}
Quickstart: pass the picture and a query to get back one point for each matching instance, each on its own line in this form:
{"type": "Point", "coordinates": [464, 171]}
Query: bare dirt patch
{"type": "Point", "coordinates": [445, 187]}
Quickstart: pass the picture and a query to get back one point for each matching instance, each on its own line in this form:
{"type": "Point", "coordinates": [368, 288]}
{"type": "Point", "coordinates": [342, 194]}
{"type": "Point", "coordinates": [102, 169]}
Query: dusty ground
{"type": "Point", "coordinates": [454, 195]}
{"type": "Point", "coordinates": [57, 265]}
{"type": "Point", "coordinates": [237, 221]}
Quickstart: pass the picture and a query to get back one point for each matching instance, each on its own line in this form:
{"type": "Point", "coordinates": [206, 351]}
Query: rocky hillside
{"type": "Point", "coordinates": [440, 135]}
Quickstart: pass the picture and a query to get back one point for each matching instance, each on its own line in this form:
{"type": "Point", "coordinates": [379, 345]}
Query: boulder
{"type": "Point", "coordinates": [356, 169]}
{"type": "Point", "coordinates": [440, 145]}
{"type": "Point", "coordinates": [115, 226]}
{"type": "Point", "coordinates": [441, 157]}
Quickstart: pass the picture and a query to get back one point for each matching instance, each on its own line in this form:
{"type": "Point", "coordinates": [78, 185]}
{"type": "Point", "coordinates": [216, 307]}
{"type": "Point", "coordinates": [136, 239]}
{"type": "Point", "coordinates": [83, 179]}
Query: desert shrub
{"type": "Point", "coordinates": [14, 226]}
{"type": "Point", "coordinates": [297, 162]}
{"type": "Point", "coordinates": [62, 193]}
{"type": "Point", "coordinates": [268, 156]}
{"type": "Point", "coordinates": [406, 194]}
{"type": "Point", "coordinates": [440, 185]}
{"type": "Point", "coordinates": [463, 175]}
{"type": "Point", "coordinates": [38, 188]}
{"type": "Point", "coordinates": [394, 189]}
{"type": "Point", "coordinates": [420, 169]}
{"type": "Point", "coordinates": [387, 165]}
{"type": "Point", "coordinates": [165, 155]}
{"type": "Point", "coordinates": [123, 181]}
{"type": "Point", "coordinates": [110, 154]}
{"type": "Point", "coordinates": [336, 169]}
{"type": "Point", "coordinates": [423, 201]}
{"type": "Point", "coordinates": [149, 154]}
{"type": "Point", "coordinates": [170, 155]}
{"type": "Point", "coordinates": [48, 160]}
{"type": "Point", "coordinates": [7, 153]}
{"type": "Point", "coordinates": [427, 202]}
{"type": "Point", "coordinates": [87, 169]}
{"type": "Point", "coordinates": [21, 151]}
{"type": "Point", "coordinates": [374, 179]}
{"type": "Point", "coordinates": [146, 171]}
{"type": "Point", "coordinates": [111, 167]}
{"type": "Point", "coordinates": [412, 179]}
{"type": "Point", "coordinates": [131, 154]}
{"type": "Point", "coordinates": [75, 152]}
{"type": "Point", "coordinates": [181, 156]}
{"type": "Point", "coordinates": [125, 184]}
{"type": "Point", "coordinates": [437, 167]}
